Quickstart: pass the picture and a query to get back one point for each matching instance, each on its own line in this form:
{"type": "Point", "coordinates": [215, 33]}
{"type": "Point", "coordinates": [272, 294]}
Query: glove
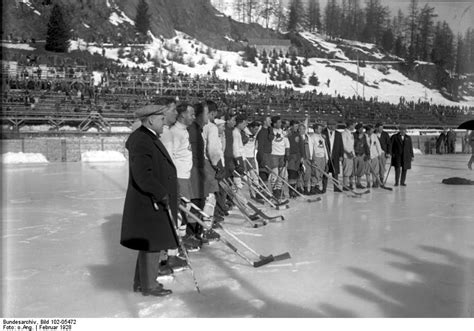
{"type": "Point", "coordinates": [164, 202]}
{"type": "Point", "coordinates": [239, 165]}
{"type": "Point", "coordinates": [220, 171]}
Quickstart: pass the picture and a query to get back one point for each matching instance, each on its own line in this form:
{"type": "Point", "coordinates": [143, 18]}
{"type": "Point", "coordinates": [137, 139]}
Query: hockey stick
{"type": "Point", "coordinates": [262, 259]}
{"type": "Point", "coordinates": [275, 205]}
{"type": "Point", "coordinates": [291, 188]}
{"type": "Point", "coordinates": [266, 190]}
{"type": "Point", "coordinates": [263, 215]}
{"type": "Point", "coordinates": [181, 244]}
{"type": "Point", "coordinates": [337, 183]}
{"type": "Point", "coordinates": [262, 183]}
{"type": "Point", "coordinates": [279, 257]}
{"type": "Point", "coordinates": [388, 172]}
{"type": "Point", "coordinates": [378, 179]}
{"type": "Point", "coordinates": [225, 186]}
{"type": "Point", "coordinates": [251, 185]}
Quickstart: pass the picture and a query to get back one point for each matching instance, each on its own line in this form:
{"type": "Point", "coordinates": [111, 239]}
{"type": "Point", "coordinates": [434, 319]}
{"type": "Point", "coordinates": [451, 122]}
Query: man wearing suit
{"type": "Point", "coordinates": [152, 188]}
{"type": "Point", "coordinates": [402, 155]}
{"type": "Point", "coordinates": [386, 146]}
{"type": "Point", "coordinates": [335, 151]}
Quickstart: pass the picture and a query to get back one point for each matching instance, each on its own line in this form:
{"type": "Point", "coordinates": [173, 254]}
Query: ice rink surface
{"type": "Point", "coordinates": [404, 253]}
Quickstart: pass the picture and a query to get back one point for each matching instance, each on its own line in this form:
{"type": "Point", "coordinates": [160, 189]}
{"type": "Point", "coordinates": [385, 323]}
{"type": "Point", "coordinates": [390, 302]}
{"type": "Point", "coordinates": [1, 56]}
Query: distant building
{"type": "Point", "coordinates": [270, 44]}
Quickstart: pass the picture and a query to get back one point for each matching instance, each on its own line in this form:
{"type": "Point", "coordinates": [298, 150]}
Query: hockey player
{"type": "Point", "coordinates": [385, 144]}
{"type": "Point", "coordinates": [335, 147]}
{"type": "Point", "coordinates": [319, 157]}
{"type": "Point", "coordinates": [362, 154]}
{"type": "Point", "coordinates": [348, 161]}
{"type": "Point", "coordinates": [238, 148]}
{"type": "Point", "coordinates": [250, 156]}
{"type": "Point", "coordinates": [264, 147]}
{"type": "Point", "coordinates": [295, 157]}
{"type": "Point", "coordinates": [372, 165]}
{"type": "Point", "coordinates": [279, 157]}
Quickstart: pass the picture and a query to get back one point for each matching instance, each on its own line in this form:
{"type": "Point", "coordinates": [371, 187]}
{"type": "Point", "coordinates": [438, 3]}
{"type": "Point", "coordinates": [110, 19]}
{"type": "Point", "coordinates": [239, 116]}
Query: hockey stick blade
{"type": "Point", "coordinates": [262, 262]}
{"type": "Point", "coordinates": [281, 257]}
{"type": "Point", "coordinates": [313, 200]}
{"type": "Point", "coordinates": [387, 188]}
{"type": "Point", "coordinates": [265, 216]}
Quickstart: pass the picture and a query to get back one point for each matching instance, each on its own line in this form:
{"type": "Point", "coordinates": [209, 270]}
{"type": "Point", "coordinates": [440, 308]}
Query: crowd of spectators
{"type": "Point", "coordinates": [120, 89]}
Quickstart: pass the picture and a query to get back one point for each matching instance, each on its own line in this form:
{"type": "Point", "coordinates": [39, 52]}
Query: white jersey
{"type": "Point", "coordinates": [348, 143]}
{"type": "Point", "coordinates": [238, 145]}
{"type": "Point", "coordinates": [181, 152]}
{"type": "Point", "coordinates": [251, 146]}
{"type": "Point", "coordinates": [319, 146]}
{"type": "Point", "coordinates": [374, 145]}
{"type": "Point", "coordinates": [213, 143]}
{"type": "Point", "coordinates": [279, 143]}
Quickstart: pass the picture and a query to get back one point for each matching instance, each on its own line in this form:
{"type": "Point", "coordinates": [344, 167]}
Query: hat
{"type": "Point", "coordinates": [378, 124]}
{"type": "Point", "coordinates": [218, 121]}
{"type": "Point", "coordinates": [332, 122]}
{"type": "Point", "coordinates": [150, 110]}
{"type": "Point", "coordinates": [358, 126]}
{"type": "Point", "coordinates": [402, 127]}
{"type": "Point", "coordinates": [368, 127]}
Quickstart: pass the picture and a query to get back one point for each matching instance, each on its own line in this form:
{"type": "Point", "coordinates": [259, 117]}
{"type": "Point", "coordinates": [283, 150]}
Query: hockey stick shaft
{"type": "Point", "coordinates": [250, 184]}
{"type": "Point", "coordinates": [260, 180]}
{"type": "Point", "coordinates": [198, 220]}
{"type": "Point", "coordinates": [181, 244]}
{"type": "Point", "coordinates": [334, 181]}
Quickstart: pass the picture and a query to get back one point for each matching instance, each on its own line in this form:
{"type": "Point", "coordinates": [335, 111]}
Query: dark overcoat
{"type": "Point", "coordinates": [152, 176]}
{"type": "Point", "coordinates": [203, 179]}
{"type": "Point", "coordinates": [337, 150]}
{"type": "Point", "coordinates": [402, 151]}
{"type": "Point", "coordinates": [385, 142]}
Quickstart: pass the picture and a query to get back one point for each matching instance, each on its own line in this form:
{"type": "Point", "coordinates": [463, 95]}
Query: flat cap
{"type": "Point", "coordinates": [402, 127]}
{"type": "Point", "coordinates": [150, 110]}
{"type": "Point", "coordinates": [332, 122]}
{"type": "Point", "coordinates": [218, 121]}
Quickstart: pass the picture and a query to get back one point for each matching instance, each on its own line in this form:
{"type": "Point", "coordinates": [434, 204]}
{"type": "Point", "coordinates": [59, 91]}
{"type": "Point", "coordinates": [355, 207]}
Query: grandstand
{"type": "Point", "coordinates": [80, 99]}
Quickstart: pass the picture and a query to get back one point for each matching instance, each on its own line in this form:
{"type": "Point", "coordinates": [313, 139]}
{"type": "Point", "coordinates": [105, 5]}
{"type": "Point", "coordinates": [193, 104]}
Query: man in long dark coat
{"type": "Point", "coordinates": [402, 155]}
{"type": "Point", "coordinates": [152, 188]}
{"type": "Point", "coordinates": [335, 151]}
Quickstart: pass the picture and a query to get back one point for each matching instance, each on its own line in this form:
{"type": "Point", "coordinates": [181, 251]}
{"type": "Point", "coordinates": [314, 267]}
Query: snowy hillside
{"type": "Point", "coordinates": [337, 76]}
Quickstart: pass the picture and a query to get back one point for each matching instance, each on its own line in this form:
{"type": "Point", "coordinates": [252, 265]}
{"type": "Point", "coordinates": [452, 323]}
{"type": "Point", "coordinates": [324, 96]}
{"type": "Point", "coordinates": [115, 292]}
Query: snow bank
{"type": "Point", "coordinates": [120, 129]}
{"type": "Point", "coordinates": [17, 158]}
{"type": "Point", "coordinates": [18, 46]}
{"type": "Point", "coordinates": [417, 151]}
{"type": "Point", "coordinates": [102, 156]}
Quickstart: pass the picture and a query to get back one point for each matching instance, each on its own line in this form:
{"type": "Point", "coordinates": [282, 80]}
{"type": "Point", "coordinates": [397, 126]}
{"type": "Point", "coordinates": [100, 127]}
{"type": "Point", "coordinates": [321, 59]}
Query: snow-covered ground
{"type": "Point", "coordinates": [18, 158]}
{"type": "Point", "coordinates": [386, 85]}
{"type": "Point", "coordinates": [406, 253]}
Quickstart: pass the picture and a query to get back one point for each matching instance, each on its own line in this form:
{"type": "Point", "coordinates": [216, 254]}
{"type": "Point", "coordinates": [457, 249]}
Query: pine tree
{"type": "Point", "coordinates": [142, 19]}
{"type": "Point", "coordinates": [461, 56]}
{"type": "Point", "coordinates": [412, 28]}
{"type": "Point", "coordinates": [314, 16]}
{"type": "Point", "coordinates": [58, 34]}
{"type": "Point", "coordinates": [387, 40]}
{"type": "Point", "coordinates": [280, 15]}
{"type": "Point", "coordinates": [426, 31]}
{"type": "Point", "coordinates": [331, 18]}
{"type": "Point", "coordinates": [265, 11]}
{"type": "Point", "coordinates": [375, 15]}
{"type": "Point", "coordinates": [251, 7]}
{"type": "Point", "coordinates": [295, 17]}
